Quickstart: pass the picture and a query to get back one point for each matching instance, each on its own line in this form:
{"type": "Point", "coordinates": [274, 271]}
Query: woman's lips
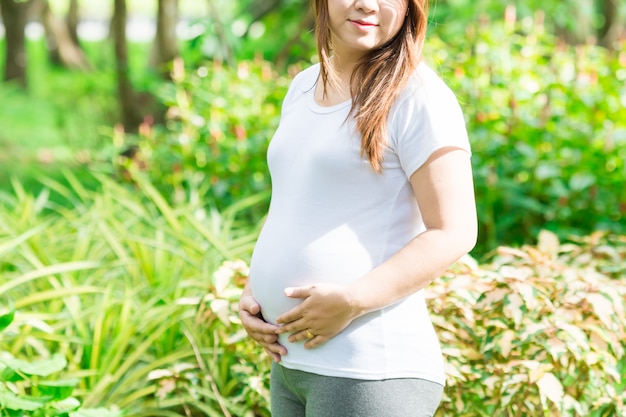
{"type": "Point", "coordinates": [362, 24]}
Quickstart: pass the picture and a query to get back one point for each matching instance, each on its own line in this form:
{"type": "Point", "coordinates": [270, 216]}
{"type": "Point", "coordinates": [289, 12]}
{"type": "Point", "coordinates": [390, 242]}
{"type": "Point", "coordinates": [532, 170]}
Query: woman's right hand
{"type": "Point", "coordinates": [257, 328]}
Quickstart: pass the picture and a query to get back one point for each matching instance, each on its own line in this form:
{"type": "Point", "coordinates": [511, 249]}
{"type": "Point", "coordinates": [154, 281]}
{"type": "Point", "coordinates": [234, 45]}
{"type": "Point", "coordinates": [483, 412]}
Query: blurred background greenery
{"type": "Point", "coordinates": [133, 184]}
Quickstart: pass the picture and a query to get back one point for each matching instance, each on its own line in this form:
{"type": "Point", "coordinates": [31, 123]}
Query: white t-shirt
{"type": "Point", "coordinates": [332, 219]}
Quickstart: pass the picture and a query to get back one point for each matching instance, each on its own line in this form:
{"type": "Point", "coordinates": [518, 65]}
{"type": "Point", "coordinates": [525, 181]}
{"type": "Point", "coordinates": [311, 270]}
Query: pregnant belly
{"type": "Point", "coordinates": [336, 258]}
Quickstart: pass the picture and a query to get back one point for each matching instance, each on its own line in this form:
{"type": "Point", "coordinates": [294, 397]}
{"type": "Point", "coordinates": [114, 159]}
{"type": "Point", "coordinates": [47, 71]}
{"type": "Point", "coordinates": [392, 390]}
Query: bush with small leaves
{"type": "Point", "coordinates": [539, 331]}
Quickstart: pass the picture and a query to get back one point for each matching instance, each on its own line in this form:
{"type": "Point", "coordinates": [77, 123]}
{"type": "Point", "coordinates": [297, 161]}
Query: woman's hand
{"type": "Point", "coordinates": [258, 329]}
{"type": "Point", "coordinates": [325, 311]}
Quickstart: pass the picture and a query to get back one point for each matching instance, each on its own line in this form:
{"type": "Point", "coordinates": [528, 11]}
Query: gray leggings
{"type": "Point", "coordinates": [302, 394]}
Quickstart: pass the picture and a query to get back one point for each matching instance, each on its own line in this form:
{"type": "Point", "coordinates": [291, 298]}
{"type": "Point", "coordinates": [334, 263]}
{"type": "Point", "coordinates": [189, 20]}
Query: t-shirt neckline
{"type": "Point", "coordinates": [317, 108]}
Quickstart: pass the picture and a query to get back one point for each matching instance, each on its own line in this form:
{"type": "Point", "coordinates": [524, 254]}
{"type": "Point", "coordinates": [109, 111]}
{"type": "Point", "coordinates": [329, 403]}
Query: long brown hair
{"type": "Point", "coordinates": [379, 77]}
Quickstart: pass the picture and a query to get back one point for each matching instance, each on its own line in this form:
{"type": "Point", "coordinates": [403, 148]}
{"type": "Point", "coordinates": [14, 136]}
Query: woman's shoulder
{"type": "Point", "coordinates": [425, 93]}
{"type": "Point", "coordinates": [426, 101]}
{"type": "Point", "coordinates": [427, 111]}
{"type": "Point", "coordinates": [303, 82]}
{"type": "Point", "coordinates": [306, 79]}
{"type": "Point", "coordinates": [427, 85]}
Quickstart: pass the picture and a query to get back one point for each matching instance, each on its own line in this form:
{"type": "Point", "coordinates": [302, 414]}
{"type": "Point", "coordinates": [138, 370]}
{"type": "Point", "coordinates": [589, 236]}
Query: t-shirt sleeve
{"type": "Point", "coordinates": [426, 118]}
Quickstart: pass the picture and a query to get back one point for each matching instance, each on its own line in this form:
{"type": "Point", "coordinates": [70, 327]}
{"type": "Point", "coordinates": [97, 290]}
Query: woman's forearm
{"type": "Point", "coordinates": [415, 266]}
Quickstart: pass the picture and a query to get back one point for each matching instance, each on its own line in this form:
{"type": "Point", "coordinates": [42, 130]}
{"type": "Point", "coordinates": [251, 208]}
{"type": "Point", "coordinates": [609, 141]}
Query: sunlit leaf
{"type": "Point", "coordinates": [13, 402]}
{"type": "Point", "coordinates": [58, 390]}
{"type": "Point", "coordinates": [41, 367]}
{"type": "Point", "coordinates": [66, 405]}
{"type": "Point", "coordinates": [513, 308]}
{"type": "Point", "coordinates": [505, 342]}
{"type": "Point", "coordinates": [551, 387]}
{"type": "Point", "coordinates": [603, 307]}
{"type": "Point", "coordinates": [548, 242]}
{"type": "Point", "coordinates": [580, 181]}
{"type": "Point", "coordinates": [221, 308]}
{"type": "Point", "coordinates": [96, 412]}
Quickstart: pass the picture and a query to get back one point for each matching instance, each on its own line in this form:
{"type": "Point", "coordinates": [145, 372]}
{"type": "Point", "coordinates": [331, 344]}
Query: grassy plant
{"type": "Point", "coordinates": [123, 286]}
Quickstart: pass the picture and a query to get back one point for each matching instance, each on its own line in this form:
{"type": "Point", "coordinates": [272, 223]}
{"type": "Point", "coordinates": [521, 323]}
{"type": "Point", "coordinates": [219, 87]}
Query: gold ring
{"type": "Point", "coordinates": [309, 335]}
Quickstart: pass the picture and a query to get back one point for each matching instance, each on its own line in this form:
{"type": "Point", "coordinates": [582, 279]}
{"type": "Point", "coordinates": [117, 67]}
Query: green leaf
{"type": "Point", "coordinates": [66, 405]}
{"type": "Point", "coordinates": [6, 319]}
{"type": "Point", "coordinates": [58, 390]}
{"type": "Point", "coordinates": [96, 412]}
{"type": "Point", "coordinates": [9, 375]}
{"type": "Point", "coordinates": [13, 402]}
{"type": "Point", "coordinates": [579, 182]}
{"type": "Point", "coordinates": [43, 367]}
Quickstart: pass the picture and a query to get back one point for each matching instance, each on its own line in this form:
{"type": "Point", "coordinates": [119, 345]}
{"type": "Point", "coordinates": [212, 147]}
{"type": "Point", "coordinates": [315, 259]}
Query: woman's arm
{"type": "Point", "coordinates": [444, 190]}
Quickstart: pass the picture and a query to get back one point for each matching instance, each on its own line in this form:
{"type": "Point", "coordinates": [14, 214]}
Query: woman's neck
{"type": "Point", "coordinates": [339, 91]}
{"type": "Point", "coordinates": [344, 63]}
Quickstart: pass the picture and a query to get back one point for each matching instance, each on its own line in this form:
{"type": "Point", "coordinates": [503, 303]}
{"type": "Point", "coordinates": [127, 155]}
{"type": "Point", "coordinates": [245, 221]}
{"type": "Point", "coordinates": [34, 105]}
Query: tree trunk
{"type": "Point", "coordinates": [612, 28]}
{"type": "Point", "coordinates": [15, 16]}
{"type": "Point", "coordinates": [72, 20]}
{"type": "Point", "coordinates": [63, 50]}
{"type": "Point", "coordinates": [165, 47]}
{"type": "Point", "coordinates": [131, 116]}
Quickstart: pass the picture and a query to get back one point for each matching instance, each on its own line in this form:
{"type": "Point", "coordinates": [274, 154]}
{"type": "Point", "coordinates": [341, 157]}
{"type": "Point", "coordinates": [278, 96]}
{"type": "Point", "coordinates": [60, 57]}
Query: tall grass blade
{"type": "Point", "coordinates": [209, 236]}
{"type": "Point", "coordinates": [49, 270]}
{"type": "Point", "coordinates": [58, 293]}
{"type": "Point", "coordinates": [153, 194]}
{"type": "Point", "coordinates": [18, 240]}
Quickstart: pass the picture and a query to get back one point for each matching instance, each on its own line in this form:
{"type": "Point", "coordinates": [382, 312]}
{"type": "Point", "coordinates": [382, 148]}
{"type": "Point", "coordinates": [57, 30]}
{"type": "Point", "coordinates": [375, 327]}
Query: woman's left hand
{"type": "Point", "coordinates": [325, 311]}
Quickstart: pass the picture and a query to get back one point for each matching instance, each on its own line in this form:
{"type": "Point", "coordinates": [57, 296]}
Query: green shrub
{"type": "Point", "coordinates": [214, 141]}
{"type": "Point", "coordinates": [547, 122]}
{"type": "Point", "coordinates": [539, 331]}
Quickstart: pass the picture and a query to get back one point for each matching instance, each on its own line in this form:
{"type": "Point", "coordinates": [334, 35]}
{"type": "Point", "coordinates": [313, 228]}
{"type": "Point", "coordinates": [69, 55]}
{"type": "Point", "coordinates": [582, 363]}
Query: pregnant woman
{"type": "Point", "coordinates": [372, 199]}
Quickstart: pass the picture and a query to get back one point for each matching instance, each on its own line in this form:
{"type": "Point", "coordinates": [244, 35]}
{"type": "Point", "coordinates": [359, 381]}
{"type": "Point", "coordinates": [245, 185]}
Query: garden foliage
{"type": "Point", "coordinates": [215, 138]}
{"type": "Point", "coordinates": [134, 302]}
{"type": "Point", "coordinates": [134, 295]}
{"type": "Point", "coordinates": [547, 122]}
{"type": "Point", "coordinates": [541, 330]}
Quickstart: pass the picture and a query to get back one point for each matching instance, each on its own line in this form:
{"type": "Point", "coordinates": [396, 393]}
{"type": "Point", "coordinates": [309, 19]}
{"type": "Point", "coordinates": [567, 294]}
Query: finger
{"type": "Point", "coordinates": [298, 292]}
{"type": "Point", "coordinates": [278, 349]}
{"type": "Point", "coordinates": [275, 348]}
{"type": "Point", "coordinates": [315, 342]}
{"type": "Point", "coordinates": [250, 305]}
{"type": "Point", "coordinates": [300, 336]}
{"type": "Point", "coordinates": [290, 317]}
{"type": "Point", "coordinates": [264, 337]}
{"type": "Point", "coordinates": [274, 356]}
{"type": "Point", "coordinates": [293, 326]}
{"type": "Point", "coordinates": [258, 325]}
{"type": "Point", "coordinates": [258, 328]}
